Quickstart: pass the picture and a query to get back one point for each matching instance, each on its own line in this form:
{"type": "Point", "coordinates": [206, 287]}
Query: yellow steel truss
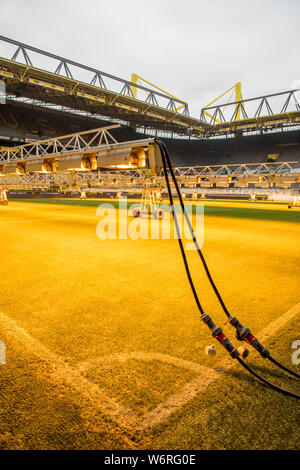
{"type": "Point", "coordinates": [140, 80]}
{"type": "Point", "coordinates": [236, 91]}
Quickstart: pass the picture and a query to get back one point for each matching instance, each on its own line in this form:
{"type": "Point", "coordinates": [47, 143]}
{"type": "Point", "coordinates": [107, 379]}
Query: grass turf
{"type": "Point", "coordinates": [83, 298]}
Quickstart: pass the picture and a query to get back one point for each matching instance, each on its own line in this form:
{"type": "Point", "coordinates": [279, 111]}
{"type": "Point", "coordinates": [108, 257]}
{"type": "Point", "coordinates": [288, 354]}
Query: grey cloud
{"type": "Point", "coordinates": [193, 49]}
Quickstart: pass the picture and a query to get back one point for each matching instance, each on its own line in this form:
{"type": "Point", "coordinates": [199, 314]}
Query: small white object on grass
{"type": "Point", "coordinates": [210, 350]}
{"type": "Point", "coordinates": [2, 353]}
{"type": "Point", "coordinates": [244, 352]}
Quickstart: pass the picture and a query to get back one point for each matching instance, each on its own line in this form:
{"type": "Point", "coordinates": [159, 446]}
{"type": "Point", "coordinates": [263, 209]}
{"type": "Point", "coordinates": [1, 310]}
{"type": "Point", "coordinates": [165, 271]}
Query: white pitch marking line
{"type": "Point", "coordinates": [14, 221]}
{"type": "Point", "coordinates": [125, 417]}
{"type": "Point", "coordinates": [191, 389]}
{"type": "Point", "coordinates": [61, 372]}
{"type": "Point", "coordinates": [199, 384]}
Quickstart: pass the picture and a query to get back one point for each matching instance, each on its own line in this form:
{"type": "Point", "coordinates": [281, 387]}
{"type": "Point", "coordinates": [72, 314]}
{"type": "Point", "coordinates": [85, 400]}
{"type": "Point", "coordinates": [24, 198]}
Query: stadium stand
{"type": "Point", "coordinates": [226, 151]}
{"type": "Point", "coordinates": [20, 122]}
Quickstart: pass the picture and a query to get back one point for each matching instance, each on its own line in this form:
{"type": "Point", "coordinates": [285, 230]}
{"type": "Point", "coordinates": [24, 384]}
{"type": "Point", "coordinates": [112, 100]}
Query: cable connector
{"type": "Point", "coordinates": [244, 334]}
{"type": "Point", "coordinates": [216, 330]}
{"type": "Point", "coordinates": [241, 331]}
{"type": "Point", "coordinates": [217, 333]}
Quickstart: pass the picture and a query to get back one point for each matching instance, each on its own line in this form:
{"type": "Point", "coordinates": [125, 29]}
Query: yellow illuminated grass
{"type": "Point", "coordinates": [83, 298]}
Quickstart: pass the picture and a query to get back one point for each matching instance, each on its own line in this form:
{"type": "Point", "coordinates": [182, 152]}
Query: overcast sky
{"type": "Point", "coordinates": [194, 49]}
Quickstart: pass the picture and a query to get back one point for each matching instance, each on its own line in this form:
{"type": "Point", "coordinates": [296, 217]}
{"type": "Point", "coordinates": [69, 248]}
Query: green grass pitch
{"type": "Point", "coordinates": [104, 345]}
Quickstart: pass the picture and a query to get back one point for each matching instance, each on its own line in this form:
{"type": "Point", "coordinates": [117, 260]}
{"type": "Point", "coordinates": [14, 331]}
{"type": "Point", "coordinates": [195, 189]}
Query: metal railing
{"type": "Point", "coordinates": [104, 81]}
{"type": "Point", "coordinates": [252, 108]}
{"type": "Point", "coordinates": [78, 142]}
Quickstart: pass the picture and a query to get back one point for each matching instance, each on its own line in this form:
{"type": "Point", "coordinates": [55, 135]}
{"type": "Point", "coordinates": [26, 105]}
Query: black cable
{"type": "Point", "coordinates": [180, 241]}
{"type": "Point", "coordinates": [267, 382]}
{"type": "Point", "coordinates": [295, 374]}
{"type": "Point", "coordinates": [243, 364]}
{"type": "Point", "coordinates": [193, 235]}
{"type": "Point", "coordinates": [226, 311]}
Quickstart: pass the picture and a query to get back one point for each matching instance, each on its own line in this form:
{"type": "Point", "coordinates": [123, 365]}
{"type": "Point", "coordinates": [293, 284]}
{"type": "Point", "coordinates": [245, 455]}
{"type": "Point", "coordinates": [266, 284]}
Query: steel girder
{"type": "Point", "coordinates": [257, 113]}
{"type": "Point", "coordinates": [135, 179]}
{"type": "Point", "coordinates": [106, 95]}
{"type": "Point", "coordinates": [103, 94]}
{"type": "Point", "coordinates": [239, 169]}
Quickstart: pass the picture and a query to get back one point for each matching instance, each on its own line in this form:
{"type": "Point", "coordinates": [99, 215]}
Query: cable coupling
{"type": "Point", "coordinates": [217, 333]}
{"type": "Point", "coordinates": [244, 334]}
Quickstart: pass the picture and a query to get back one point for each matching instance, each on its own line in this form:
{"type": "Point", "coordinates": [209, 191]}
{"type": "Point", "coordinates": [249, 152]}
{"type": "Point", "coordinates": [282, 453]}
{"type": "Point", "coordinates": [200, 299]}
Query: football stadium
{"type": "Point", "coordinates": [149, 264]}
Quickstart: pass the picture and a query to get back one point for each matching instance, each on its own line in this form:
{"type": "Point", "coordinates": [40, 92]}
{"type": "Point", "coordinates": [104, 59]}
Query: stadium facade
{"type": "Point", "coordinates": [210, 151]}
